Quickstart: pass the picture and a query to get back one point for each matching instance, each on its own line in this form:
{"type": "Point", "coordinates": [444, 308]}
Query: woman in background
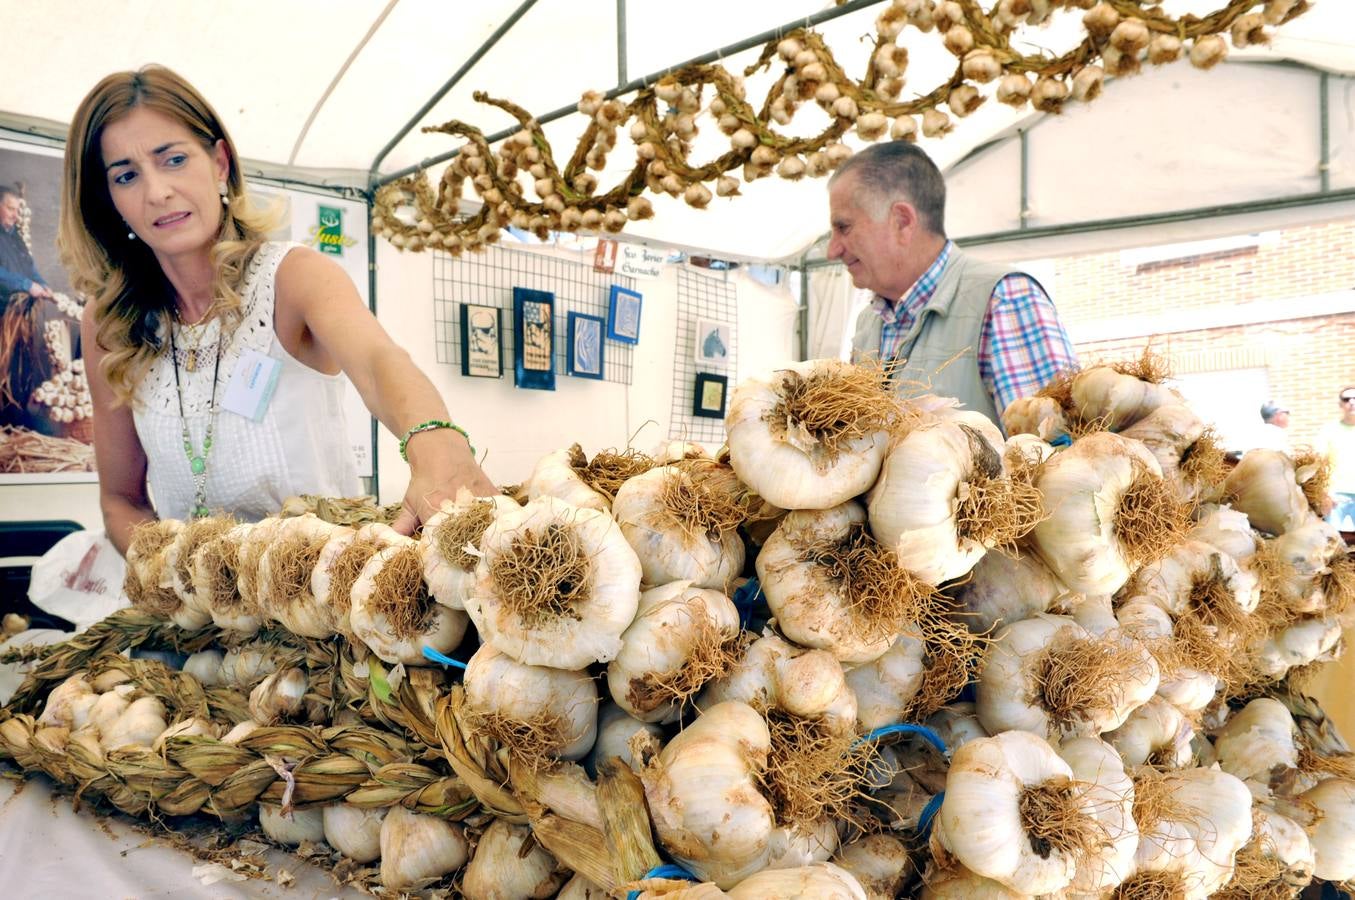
{"type": "Point", "coordinates": [213, 354]}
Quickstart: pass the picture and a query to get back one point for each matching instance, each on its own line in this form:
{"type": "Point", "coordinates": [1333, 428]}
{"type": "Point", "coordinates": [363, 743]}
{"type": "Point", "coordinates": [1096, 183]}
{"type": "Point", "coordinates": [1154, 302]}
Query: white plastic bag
{"type": "Point", "coordinates": [79, 579]}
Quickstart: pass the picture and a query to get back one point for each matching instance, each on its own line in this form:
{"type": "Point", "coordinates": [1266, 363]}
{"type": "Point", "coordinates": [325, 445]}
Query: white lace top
{"type": "Point", "coordinates": [299, 446]}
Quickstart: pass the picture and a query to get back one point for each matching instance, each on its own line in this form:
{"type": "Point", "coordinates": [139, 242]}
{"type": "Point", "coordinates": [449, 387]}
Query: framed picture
{"type": "Point", "coordinates": [709, 397]}
{"type": "Point", "coordinates": [534, 350]}
{"type": "Point", "coordinates": [585, 345]}
{"type": "Point", "coordinates": [713, 342]}
{"type": "Point", "coordinates": [481, 341]}
{"type": "Point", "coordinates": [623, 315]}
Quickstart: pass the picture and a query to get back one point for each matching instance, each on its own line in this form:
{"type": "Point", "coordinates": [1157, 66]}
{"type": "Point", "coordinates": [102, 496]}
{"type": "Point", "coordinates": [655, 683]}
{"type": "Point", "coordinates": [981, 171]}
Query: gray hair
{"type": "Point", "coordinates": [898, 170]}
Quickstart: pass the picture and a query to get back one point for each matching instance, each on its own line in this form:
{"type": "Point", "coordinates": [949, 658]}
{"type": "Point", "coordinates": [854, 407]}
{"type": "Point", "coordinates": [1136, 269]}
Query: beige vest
{"type": "Point", "coordinates": [941, 349]}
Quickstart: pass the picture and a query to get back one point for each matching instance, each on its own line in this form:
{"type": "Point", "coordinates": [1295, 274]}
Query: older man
{"type": "Point", "coordinates": [967, 329]}
{"type": "Point", "coordinates": [18, 272]}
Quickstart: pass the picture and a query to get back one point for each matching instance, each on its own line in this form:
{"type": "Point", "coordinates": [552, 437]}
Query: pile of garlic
{"type": "Point", "coordinates": [1113, 600]}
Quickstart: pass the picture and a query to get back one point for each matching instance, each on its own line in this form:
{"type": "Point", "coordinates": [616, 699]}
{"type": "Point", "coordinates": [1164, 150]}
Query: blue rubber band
{"type": "Point", "coordinates": [924, 821]}
{"type": "Point", "coordinates": [430, 654]}
{"type": "Point", "coordinates": [921, 731]}
{"type": "Point", "coordinates": [665, 871]}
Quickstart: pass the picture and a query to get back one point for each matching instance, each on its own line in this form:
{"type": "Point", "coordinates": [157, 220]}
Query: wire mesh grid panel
{"type": "Point", "coordinates": [710, 303]}
{"type": "Point", "coordinates": [488, 279]}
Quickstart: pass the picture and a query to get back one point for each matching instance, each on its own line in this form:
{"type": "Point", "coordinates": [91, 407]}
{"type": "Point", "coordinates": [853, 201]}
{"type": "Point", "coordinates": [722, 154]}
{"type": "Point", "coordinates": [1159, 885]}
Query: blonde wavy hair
{"type": "Point", "coordinates": [129, 297]}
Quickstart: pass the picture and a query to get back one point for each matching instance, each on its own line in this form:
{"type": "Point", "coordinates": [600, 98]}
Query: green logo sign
{"type": "Point", "coordinates": [328, 236]}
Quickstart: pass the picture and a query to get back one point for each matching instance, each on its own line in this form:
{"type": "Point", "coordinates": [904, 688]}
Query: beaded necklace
{"type": "Point", "coordinates": [197, 462]}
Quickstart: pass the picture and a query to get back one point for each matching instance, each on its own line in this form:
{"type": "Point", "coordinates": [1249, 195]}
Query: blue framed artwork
{"type": "Point", "coordinates": [623, 315]}
{"type": "Point", "coordinates": [585, 345]}
{"type": "Point", "coordinates": [534, 350]}
{"type": "Point", "coordinates": [481, 341]}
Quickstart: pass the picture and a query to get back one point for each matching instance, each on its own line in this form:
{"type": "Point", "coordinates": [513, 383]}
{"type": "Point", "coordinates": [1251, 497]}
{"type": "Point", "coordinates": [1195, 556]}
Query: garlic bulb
{"type": "Point", "coordinates": [1206, 820]}
{"type": "Point", "coordinates": [1266, 487]}
{"type": "Point", "coordinates": [1110, 511]}
{"type": "Point", "coordinates": [957, 724]}
{"type": "Point", "coordinates": [279, 696]}
{"type": "Point", "coordinates": [556, 475]}
{"type": "Point", "coordinates": [293, 827]}
{"type": "Point", "coordinates": [1155, 732]}
{"type": "Point", "coordinates": [501, 870]}
{"type": "Point", "coordinates": [252, 546]}
{"type": "Point", "coordinates": [106, 709]}
{"type": "Point", "coordinates": [884, 687]}
{"type": "Point", "coordinates": [942, 501]}
{"type": "Point", "coordinates": [1117, 399]}
{"type": "Point", "coordinates": [786, 435]}
{"type": "Point", "coordinates": [580, 888]}
{"type": "Point", "coordinates": [616, 727]}
{"type": "Point", "coordinates": [557, 585]}
{"type": "Point", "coordinates": [1035, 415]}
{"type": "Point", "coordinates": [536, 710]}
{"type": "Point", "coordinates": [1226, 529]}
{"type": "Point", "coordinates": [832, 587]}
{"type": "Point", "coordinates": [205, 667]}
{"type": "Point", "coordinates": [1050, 676]}
{"type": "Point", "coordinates": [879, 862]}
{"type": "Point", "coordinates": [1006, 588]}
{"type": "Point", "coordinates": [248, 664]}
{"type": "Point", "coordinates": [1013, 813]}
{"type": "Point", "coordinates": [752, 679]}
{"type": "Point", "coordinates": [195, 726]}
{"type": "Point", "coordinates": [1306, 641]}
{"type": "Point", "coordinates": [417, 849]}
{"type": "Point", "coordinates": [216, 565]}
{"type": "Point", "coordinates": [1279, 857]}
{"type": "Point", "coordinates": [179, 568]}
{"type": "Point", "coordinates": [147, 583]}
{"type": "Point", "coordinates": [703, 794]}
{"type": "Point", "coordinates": [450, 546]}
{"type": "Point", "coordinates": [802, 844]}
{"type": "Point", "coordinates": [812, 685]}
{"type": "Point", "coordinates": [1256, 742]}
{"type": "Point", "coordinates": [681, 638]}
{"type": "Point", "coordinates": [1173, 434]}
{"type": "Point", "coordinates": [823, 881]}
{"type": "Point", "coordinates": [962, 884]}
{"type": "Point", "coordinates": [393, 614]}
{"type": "Point", "coordinates": [285, 571]}
{"type": "Point", "coordinates": [1333, 831]}
{"type": "Point", "coordinates": [1187, 688]}
{"type": "Point", "coordinates": [56, 710]}
{"type": "Point", "coordinates": [137, 727]}
{"type": "Point", "coordinates": [680, 528]}
{"type": "Point", "coordinates": [1097, 765]}
{"type": "Point", "coordinates": [353, 831]}
{"type": "Point", "coordinates": [240, 732]}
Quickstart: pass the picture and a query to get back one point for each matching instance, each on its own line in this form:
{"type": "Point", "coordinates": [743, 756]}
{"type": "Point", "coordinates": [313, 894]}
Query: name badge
{"type": "Point", "coordinates": [251, 385]}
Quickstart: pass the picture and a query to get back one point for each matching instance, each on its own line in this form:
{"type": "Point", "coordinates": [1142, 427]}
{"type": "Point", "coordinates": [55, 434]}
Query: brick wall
{"type": "Point", "coordinates": [1308, 359]}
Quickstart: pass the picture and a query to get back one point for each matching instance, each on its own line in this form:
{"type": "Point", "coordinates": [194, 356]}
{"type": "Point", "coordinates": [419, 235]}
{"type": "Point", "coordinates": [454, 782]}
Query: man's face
{"type": "Point", "coordinates": [873, 251]}
{"type": "Point", "coordinates": [1281, 418]}
{"type": "Point", "coordinates": [9, 211]}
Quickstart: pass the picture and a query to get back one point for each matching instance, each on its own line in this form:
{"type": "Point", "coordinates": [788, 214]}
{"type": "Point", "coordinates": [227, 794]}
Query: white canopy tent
{"type": "Point", "coordinates": [314, 92]}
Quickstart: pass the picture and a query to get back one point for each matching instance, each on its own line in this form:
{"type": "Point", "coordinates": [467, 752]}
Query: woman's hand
{"type": "Point", "coordinates": [441, 465]}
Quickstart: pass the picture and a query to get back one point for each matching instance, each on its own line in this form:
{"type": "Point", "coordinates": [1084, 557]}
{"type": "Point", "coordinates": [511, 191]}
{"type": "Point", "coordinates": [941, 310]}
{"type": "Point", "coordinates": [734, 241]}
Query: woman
{"type": "Point", "coordinates": [213, 354]}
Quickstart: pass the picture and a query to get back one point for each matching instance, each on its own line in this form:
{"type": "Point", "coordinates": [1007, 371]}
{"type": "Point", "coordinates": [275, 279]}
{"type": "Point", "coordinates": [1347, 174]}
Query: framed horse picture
{"type": "Point", "coordinates": [713, 342]}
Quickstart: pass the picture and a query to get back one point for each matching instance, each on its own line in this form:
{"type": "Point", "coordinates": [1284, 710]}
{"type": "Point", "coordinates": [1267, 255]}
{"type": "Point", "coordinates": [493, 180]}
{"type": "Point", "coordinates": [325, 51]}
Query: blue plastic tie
{"type": "Point", "coordinates": [667, 870]}
{"type": "Point", "coordinates": [924, 821]}
{"type": "Point", "coordinates": [1062, 440]}
{"type": "Point", "coordinates": [921, 731]}
{"type": "Point", "coordinates": [431, 654]}
{"type": "Point", "coordinates": [745, 600]}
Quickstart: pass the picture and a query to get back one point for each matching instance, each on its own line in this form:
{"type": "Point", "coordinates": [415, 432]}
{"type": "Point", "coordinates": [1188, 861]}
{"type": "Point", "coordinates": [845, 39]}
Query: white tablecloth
{"type": "Point", "coordinates": [49, 851]}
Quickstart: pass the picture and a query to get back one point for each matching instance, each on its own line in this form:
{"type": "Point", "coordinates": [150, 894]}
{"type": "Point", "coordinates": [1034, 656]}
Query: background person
{"type": "Point", "coordinates": [1273, 433]}
{"type": "Point", "coordinates": [187, 298]}
{"type": "Point", "coordinates": [18, 272]}
{"type": "Point", "coordinates": [971, 330]}
{"type": "Point", "coordinates": [1337, 441]}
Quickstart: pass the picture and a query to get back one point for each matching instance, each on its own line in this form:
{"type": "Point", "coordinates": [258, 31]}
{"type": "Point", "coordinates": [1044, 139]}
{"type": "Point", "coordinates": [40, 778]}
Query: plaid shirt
{"type": "Point", "coordinates": [1021, 345]}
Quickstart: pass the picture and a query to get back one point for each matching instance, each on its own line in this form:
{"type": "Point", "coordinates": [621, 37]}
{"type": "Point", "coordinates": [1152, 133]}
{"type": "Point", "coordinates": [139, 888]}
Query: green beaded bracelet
{"type": "Point", "coordinates": [432, 425]}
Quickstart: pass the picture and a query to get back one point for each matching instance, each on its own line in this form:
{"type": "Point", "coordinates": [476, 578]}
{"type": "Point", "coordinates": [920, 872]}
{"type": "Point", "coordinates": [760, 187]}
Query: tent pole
{"type": "Point", "coordinates": [621, 41]}
{"type": "Point", "coordinates": [1324, 114]}
{"type": "Point", "coordinates": [371, 304]}
{"type": "Point", "coordinates": [442, 91]}
{"type": "Point", "coordinates": [634, 84]}
{"type": "Point", "coordinates": [804, 308]}
{"type": "Point", "coordinates": [1025, 179]}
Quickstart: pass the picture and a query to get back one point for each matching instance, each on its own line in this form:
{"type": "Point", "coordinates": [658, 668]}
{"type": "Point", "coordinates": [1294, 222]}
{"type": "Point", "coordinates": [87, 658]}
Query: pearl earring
{"type": "Point", "coordinates": [131, 235]}
{"type": "Point", "coordinates": [221, 189]}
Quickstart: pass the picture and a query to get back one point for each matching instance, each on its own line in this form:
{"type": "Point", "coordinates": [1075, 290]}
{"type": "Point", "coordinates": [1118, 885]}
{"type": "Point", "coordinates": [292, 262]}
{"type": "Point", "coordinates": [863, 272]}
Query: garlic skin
{"type": "Point", "coordinates": [1083, 486]}
{"type": "Point", "coordinates": [980, 818]}
{"type": "Point", "coordinates": [1168, 432]}
{"type": "Point", "coordinates": [1010, 688]}
{"type": "Point", "coordinates": [247, 665]}
{"type": "Point", "coordinates": [442, 630]}
{"type": "Point", "coordinates": [279, 696]}
{"type": "Point", "coordinates": [1333, 831]}
{"type": "Point", "coordinates": [670, 550]}
{"type": "Point", "coordinates": [957, 724]}
{"type": "Point", "coordinates": [294, 605]}
{"type": "Point", "coordinates": [291, 830]}
{"type": "Point", "coordinates": [1097, 765]}
{"type": "Point", "coordinates": [227, 608]}
{"type": "Point", "coordinates": [703, 795]}
{"type": "Point", "coordinates": [1157, 730]}
{"type": "Point", "coordinates": [912, 505]}
{"type": "Point", "coordinates": [240, 732]}
{"type": "Point", "coordinates": [616, 727]}
{"type": "Point", "coordinates": [205, 666]}
{"type": "Point", "coordinates": [962, 884]}
{"type": "Point", "coordinates": [1265, 486]}
{"type": "Point", "coordinates": [1280, 837]}
{"type": "Point", "coordinates": [884, 686]}
{"type": "Point", "coordinates": [353, 831]}
{"type": "Point", "coordinates": [1100, 393]}
{"type": "Point", "coordinates": [1256, 741]}
{"type": "Point", "coordinates": [57, 708]}
{"type": "Point", "coordinates": [752, 680]}
{"type": "Point", "coordinates": [555, 476]}
{"type": "Point", "coordinates": [593, 634]}
{"type": "Point", "coordinates": [1218, 820]}
{"type": "Point", "coordinates": [823, 881]}
{"type": "Point", "coordinates": [136, 728]}
{"type": "Point", "coordinates": [580, 888]}
{"type": "Point", "coordinates": [670, 624]}
{"type": "Point", "coordinates": [418, 849]}
{"type": "Point", "coordinates": [1003, 589]}
{"type": "Point", "coordinates": [1039, 416]}
{"type": "Point", "coordinates": [812, 685]}
{"type": "Point", "coordinates": [1226, 529]}
{"type": "Point", "coordinates": [781, 461]}
{"type": "Point", "coordinates": [448, 582]}
{"type": "Point", "coordinates": [499, 870]}
{"type": "Point", "coordinates": [195, 726]}
{"type": "Point", "coordinates": [1306, 641]}
{"type": "Point", "coordinates": [879, 862]}
{"type": "Point", "coordinates": [811, 608]}
{"type": "Point", "coordinates": [106, 709]}
{"type": "Point", "coordinates": [499, 685]}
